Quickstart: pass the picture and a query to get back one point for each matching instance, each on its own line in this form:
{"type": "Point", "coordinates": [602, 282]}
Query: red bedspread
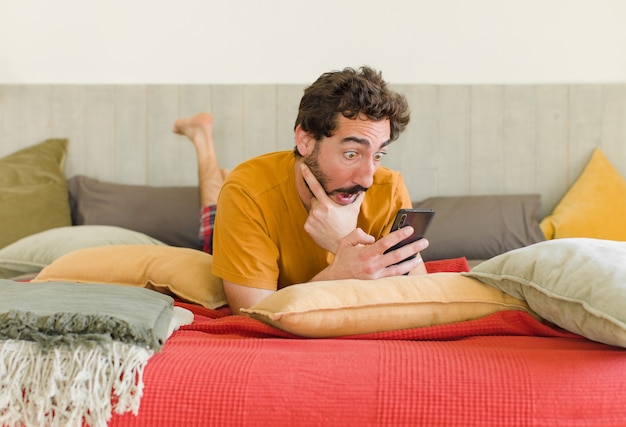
{"type": "Point", "coordinates": [507, 369]}
{"type": "Point", "coordinates": [504, 369]}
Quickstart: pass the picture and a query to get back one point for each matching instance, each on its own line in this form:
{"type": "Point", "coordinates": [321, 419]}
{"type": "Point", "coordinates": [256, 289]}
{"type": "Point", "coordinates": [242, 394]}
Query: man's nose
{"type": "Point", "coordinates": [365, 173]}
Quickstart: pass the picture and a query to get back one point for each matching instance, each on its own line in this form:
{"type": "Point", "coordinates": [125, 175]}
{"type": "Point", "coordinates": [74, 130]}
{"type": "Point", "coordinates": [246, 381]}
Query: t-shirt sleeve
{"type": "Point", "coordinates": [247, 257]}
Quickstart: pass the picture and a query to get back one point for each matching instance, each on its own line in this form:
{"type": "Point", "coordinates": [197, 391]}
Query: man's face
{"type": "Point", "coordinates": [345, 163]}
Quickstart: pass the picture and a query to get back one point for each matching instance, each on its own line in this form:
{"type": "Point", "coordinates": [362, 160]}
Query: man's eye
{"type": "Point", "coordinates": [379, 156]}
{"type": "Point", "coordinates": [350, 155]}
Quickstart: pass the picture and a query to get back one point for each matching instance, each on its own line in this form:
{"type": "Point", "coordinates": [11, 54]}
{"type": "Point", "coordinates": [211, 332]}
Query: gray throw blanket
{"type": "Point", "coordinates": [70, 313]}
{"type": "Point", "coordinates": [72, 353]}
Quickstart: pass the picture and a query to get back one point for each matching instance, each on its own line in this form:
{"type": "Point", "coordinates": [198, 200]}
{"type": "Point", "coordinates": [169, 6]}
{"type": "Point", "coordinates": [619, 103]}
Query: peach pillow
{"type": "Point", "coordinates": [349, 307]}
{"type": "Point", "coordinates": [594, 206]}
{"type": "Point", "coordinates": [181, 272]}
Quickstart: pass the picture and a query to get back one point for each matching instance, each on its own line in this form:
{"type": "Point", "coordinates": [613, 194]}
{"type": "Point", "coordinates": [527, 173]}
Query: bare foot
{"type": "Point", "coordinates": [199, 130]}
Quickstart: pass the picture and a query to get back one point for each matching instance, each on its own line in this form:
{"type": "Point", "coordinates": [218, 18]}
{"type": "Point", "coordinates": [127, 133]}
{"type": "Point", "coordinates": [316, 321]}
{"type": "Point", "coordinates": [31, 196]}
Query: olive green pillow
{"type": "Point", "coordinates": [33, 191]}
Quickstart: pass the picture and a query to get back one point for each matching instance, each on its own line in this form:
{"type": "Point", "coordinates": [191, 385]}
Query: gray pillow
{"type": "Point", "coordinates": [481, 227]}
{"type": "Point", "coordinates": [168, 214]}
{"type": "Point", "coordinates": [576, 283]}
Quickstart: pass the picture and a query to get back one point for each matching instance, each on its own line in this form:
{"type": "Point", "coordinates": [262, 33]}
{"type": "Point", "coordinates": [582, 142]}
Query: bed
{"type": "Point", "coordinates": [508, 329]}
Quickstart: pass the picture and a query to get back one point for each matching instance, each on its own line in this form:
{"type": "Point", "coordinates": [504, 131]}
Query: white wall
{"type": "Point", "coordinates": [293, 41]}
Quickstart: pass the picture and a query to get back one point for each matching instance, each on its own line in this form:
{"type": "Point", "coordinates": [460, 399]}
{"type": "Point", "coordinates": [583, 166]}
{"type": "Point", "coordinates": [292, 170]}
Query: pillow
{"type": "Point", "coordinates": [32, 253]}
{"type": "Point", "coordinates": [594, 206]}
{"type": "Point", "coordinates": [481, 227]}
{"type": "Point", "coordinates": [33, 193]}
{"type": "Point", "coordinates": [578, 284]}
{"type": "Point", "coordinates": [352, 306]}
{"type": "Point", "coordinates": [180, 272]}
{"type": "Point", "coordinates": [169, 214]}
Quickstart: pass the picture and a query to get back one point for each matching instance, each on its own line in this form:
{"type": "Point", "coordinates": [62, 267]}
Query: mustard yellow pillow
{"type": "Point", "coordinates": [349, 307]}
{"type": "Point", "coordinates": [595, 205]}
{"type": "Point", "coordinates": [181, 272]}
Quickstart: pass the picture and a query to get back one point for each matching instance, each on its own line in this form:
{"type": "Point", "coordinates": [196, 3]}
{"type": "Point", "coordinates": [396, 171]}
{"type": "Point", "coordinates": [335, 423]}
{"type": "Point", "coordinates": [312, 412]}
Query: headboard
{"type": "Point", "coordinates": [462, 140]}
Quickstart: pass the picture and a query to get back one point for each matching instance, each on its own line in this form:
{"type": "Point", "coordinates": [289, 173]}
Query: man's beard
{"type": "Point", "coordinates": [312, 162]}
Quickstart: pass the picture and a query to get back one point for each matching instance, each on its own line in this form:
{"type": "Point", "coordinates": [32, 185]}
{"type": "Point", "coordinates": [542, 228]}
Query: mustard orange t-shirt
{"type": "Point", "coordinates": [259, 237]}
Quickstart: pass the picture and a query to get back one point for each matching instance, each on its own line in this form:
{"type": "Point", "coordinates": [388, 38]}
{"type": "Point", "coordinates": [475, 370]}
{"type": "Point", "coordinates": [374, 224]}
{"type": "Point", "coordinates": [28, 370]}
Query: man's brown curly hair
{"type": "Point", "coordinates": [351, 93]}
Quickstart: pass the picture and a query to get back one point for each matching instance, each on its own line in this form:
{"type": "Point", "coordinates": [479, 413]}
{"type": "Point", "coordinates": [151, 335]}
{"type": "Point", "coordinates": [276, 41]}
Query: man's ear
{"type": "Point", "coordinates": [304, 141]}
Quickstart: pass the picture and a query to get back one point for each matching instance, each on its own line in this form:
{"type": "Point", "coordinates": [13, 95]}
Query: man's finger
{"type": "Point", "coordinates": [359, 200]}
{"type": "Point", "coordinates": [314, 185]}
{"type": "Point", "coordinates": [359, 237]}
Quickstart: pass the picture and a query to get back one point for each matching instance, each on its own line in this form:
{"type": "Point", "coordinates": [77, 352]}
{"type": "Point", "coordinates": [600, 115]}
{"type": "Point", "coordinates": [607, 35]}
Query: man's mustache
{"type": "Point", "coordinates": [352, 190]}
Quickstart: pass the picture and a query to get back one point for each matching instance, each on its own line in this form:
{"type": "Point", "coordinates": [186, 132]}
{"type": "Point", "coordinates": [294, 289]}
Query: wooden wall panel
{"type": "Point", "coordinates": [614, 125]}
{"type": "Point", "coordinates": [131, 139]}
{"type": "Point", "coordinates": [487, 155]}
{"type": "Point", "coordinates": [519, 142]}
{"type": "Point", "coordinates": [8, 117]}
{"type": "Point", "coordinates": [259, 120]}
{"type": "Point", "coordinates": [479, 139]}
{"type": "Point", "coordinates": [24, 116]}
{"type": "Point", "coordinates": [585, 126]}
{"type": "Point", "coordinates": [192, 100]}
{"type": "Point", "coordinates": [287, 101]}
{"type": "Point", "coordinates": [99, 130]}
{"type": "Point", "coordinates": [33, 112]}
{"type": "Point", "coordinates": [164, 148]}
{"type": "Point", "coordinates": [67, 117]}
{"type": "Point", "coordinates": [415, 152]}
{"type": "Point", "coordinates": [454, 144]}
{"type": "Point", "coordinates": [229, 129]}
{"type": "Point", "coordinates": [551, 142]}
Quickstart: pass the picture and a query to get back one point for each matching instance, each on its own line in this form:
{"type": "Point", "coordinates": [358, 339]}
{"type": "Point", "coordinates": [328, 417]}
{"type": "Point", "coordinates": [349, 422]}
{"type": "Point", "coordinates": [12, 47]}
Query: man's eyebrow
{"type": "Point", "coordinates": [363, 141]}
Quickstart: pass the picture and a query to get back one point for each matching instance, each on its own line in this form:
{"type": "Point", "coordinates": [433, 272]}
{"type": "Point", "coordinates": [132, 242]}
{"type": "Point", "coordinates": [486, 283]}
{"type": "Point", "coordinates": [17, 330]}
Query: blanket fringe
{"type": "Point", "coordinates": [69, 386]}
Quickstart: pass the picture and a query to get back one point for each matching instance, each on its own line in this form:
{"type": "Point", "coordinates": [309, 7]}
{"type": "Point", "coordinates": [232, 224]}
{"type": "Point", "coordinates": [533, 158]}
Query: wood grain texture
{"type": "Point", "coordinates": [462, 139]}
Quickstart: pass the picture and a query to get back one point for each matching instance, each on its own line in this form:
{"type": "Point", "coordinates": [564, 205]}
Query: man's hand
{"type": "Point", "coordinates": [328, 222]}
{"type": "Point", "coordinates": [360, 257]}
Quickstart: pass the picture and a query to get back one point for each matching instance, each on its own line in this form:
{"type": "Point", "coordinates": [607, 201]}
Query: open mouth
{"type": "Point", "coordinates": [345, 198]}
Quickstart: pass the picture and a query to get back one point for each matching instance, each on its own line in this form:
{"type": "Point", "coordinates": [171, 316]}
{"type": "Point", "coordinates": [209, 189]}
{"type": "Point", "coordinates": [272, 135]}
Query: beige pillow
{"type": "Point", "coordinates": [181, 272]}
{"type": "Point", "coordinates": [578, 284]}
{"type": "Point", "coordinates": [349, 307]}
{"type": "Point", "coordinates": [33, 192]}
{"type": "Point", "coordinates": [32, 253]}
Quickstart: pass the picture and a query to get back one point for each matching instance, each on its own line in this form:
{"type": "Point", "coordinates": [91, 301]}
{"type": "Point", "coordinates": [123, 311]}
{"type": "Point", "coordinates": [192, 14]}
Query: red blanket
{"type": "Point", "coordinates": [502, 370]}
{"type": "Point", "coordinates": [505, 369]}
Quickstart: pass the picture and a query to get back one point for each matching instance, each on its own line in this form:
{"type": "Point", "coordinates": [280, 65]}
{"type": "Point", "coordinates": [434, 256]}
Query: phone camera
{"type": "Point", "coordinates": [402, 221]}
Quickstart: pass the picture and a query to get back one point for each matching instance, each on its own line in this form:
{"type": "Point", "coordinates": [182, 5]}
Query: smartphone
{"type": "Point", "coordinates": [419, 219]}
